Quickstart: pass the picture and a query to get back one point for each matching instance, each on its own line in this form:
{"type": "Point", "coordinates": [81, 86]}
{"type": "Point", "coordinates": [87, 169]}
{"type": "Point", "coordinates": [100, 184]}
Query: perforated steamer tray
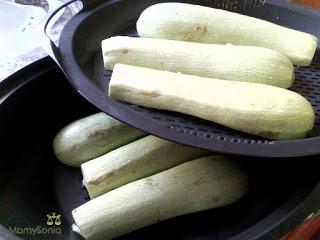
{"type": "Point", "coordinates": [79, 56]}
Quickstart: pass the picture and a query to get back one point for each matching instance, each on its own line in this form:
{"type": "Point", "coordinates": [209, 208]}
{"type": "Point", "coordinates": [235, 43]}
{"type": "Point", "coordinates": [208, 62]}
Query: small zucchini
{"type": "Point", "coordinates": [91, 137]}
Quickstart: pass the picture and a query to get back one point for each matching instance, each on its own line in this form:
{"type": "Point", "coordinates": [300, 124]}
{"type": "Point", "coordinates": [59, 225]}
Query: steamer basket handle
{"type": "Point", "coordinates": [54, 13]}
{"type": "Point", "coordinates": [52, 48]}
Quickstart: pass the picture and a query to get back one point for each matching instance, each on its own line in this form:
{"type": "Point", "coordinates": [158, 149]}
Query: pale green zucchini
{"type": "Point", "coordinates": [136, 160]}
{"type": "Point", "coordinates": [229, 62]}
{"type": "Point", "coordinates": [91, 137]}
{"type": "Point", "coordinates": [253, 108]}
{"type": "Point", "coordinates": [197, 185]}
{"type": "Point", "coordinates": [180, 21]}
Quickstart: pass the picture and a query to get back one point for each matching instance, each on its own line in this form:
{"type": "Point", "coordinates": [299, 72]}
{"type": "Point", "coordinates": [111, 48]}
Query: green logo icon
{"type": "Point", "coordinates": [54, 219]}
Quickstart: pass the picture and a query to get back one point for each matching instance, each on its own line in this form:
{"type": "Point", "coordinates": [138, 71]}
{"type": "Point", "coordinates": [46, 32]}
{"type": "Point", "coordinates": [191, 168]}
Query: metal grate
{"type": "Point", "coordinates": [235, 5]}
{"type": "Point", "coordinates": [308, 85]}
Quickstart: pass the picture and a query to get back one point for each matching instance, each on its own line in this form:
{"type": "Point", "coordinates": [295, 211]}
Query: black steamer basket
{"type": "Point", "coordinates": [79, 56]}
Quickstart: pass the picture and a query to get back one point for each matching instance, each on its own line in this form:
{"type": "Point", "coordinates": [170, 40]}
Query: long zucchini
{"type": "Point", "coordinates": [180, 21]}
{"type": "Point", "coordinates": [229, 62]}
{"type": "Point", "coordinates": [193, 186]}
{"type": "Point", "coordinates": [253, 108]}
{"type": "Point", "coordinates": [136, 160]}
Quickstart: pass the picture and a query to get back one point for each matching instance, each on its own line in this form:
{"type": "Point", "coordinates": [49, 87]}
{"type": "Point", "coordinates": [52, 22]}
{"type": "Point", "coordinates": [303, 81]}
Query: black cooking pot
{"type": "Point", "coordinates": [35, 188]}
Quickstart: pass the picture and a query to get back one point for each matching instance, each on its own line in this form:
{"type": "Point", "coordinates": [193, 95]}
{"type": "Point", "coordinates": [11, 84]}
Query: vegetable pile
{"type": "Point", "coordinates": [140, 182]}
{"type": "Point", "coordinates": [217, 65]}
{"type": "Point", "coordinates": [203, 57]}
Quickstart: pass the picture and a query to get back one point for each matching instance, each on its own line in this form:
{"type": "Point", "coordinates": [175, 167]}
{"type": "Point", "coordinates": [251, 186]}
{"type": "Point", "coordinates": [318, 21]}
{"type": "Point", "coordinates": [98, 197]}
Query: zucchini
{"type": "Point", "coordinates": [136, 160]}
{"type": "Point", "coordinates": [91, 137]}
{"type": "Point", "coordinates": [197, 185]}
{"type": "Point", "coordinates": [229, 62]}
{"type": "Point", "coordinates": [258, 109]}
{"type": "Point", "coordinates": [187, 22]}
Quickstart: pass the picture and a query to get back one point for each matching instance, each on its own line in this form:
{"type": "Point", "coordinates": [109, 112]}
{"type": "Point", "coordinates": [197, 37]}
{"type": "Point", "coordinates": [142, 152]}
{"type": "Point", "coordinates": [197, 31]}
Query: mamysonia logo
{"type": "Point", "coordinates": [53, 227]}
